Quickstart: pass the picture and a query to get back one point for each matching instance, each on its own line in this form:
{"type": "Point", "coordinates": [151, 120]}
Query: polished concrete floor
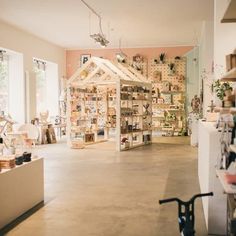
{"type": "Point", "coordinates": [99, 192]}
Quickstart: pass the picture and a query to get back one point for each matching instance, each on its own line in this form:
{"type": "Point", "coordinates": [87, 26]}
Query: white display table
{"type": "Point", "coordinates": [21, 188]}
{"type": "Point", "coordinates": [215, 208]}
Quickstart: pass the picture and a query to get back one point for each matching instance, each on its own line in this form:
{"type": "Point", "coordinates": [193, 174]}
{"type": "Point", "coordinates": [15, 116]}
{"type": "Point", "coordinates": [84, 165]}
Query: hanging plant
{"type": "Point", "coordinates": [172, 68]}
{"type": "Point", "coordinates": [220, 88]}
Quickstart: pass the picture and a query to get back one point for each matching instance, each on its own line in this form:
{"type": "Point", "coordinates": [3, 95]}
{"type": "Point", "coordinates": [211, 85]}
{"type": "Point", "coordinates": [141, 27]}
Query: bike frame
{"type": "Point", "coordinates": [186, 213]}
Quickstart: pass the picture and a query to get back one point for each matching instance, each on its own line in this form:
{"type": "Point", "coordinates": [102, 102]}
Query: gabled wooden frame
{"type": "Point", "coordinates": [117, 74]}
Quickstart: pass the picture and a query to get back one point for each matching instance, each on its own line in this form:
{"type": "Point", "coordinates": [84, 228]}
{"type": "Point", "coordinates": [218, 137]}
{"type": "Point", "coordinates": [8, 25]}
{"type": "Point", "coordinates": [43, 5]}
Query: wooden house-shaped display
{"type": "Point", "coordinates": [105, 99]}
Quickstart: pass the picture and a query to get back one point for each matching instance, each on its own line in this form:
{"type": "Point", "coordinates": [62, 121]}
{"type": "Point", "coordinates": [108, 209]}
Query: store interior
{"type": "Point", "coordinates": [118, 118]}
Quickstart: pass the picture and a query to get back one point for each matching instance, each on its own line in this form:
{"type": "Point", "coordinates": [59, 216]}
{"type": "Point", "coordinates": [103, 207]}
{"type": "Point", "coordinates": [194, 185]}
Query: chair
{"type": "Point", "coordinates": [32, 134]}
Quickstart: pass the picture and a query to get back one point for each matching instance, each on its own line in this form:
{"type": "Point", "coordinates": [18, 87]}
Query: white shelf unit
{"type": "Point", "coordinates": [101, 78]}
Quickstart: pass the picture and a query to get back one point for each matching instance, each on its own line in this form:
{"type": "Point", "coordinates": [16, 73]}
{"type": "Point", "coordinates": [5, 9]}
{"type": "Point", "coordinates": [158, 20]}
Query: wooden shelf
{"type": "Point", "coordinates": [172, 92]}
{"type": "Point", "coordinates": [231, 110]}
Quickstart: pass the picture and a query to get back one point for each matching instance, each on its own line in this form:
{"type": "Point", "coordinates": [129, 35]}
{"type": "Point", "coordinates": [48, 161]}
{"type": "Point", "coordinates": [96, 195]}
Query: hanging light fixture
{"type": "Point", "coordinates": [121, 56]}
{"type": "Point", "coordinates": [44, 65]}
{"type": "Point", "coordinates": [99, 37]}
{"type": "Point", "coordinates": [41, 65]}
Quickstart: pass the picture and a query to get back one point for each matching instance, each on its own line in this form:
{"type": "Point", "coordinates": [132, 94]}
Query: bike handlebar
{"type": "Point", "coordinates": [180, 201]}
{"type": "Point", "coordinates": [169, 200]}
{"type": "Point", "coordinates": [201, 195]}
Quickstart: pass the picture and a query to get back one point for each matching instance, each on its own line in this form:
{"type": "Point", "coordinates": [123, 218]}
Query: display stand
{"type": "Point", "coordinates": [21, 188]}
{"type": "Point", "coordinates": [104, 96]}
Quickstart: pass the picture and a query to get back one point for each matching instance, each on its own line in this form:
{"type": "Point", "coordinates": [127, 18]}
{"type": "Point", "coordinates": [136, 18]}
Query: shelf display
{"type": "Point", "coordinates": [168, 97]}
{"type": "Point", "coordinates": [108, 97]}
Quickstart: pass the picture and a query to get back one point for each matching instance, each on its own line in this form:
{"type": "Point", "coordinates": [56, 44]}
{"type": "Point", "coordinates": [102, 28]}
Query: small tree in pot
{"type": "Point", "coordinates": [222, 89]}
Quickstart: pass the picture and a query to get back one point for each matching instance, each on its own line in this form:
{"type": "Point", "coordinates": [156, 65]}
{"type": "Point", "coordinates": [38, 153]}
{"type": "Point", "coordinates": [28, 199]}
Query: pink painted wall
{"type": "Point", "coordinates": [73, 56]}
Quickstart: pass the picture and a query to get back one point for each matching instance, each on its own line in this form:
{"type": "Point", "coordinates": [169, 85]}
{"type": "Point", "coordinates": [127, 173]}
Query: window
{"type": "Point", "coordinates": [47, 87]}
{"type": "Point", "coordinates": [12, 84]}
{"type": "Point", "coordinates": [41, 86]}
{"type": "Point", "coordinates": [4, 82]}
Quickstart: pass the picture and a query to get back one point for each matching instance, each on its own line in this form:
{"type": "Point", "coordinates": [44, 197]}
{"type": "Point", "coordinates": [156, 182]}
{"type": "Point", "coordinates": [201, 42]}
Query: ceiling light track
{"type": "Point", "coordinates": [2, 54]}
{"type": "Point", "coordinates": [99, 37]}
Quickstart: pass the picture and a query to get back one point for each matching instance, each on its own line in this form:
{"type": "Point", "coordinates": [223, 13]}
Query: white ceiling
{"type": "Point", "coordinates": [139, 23]}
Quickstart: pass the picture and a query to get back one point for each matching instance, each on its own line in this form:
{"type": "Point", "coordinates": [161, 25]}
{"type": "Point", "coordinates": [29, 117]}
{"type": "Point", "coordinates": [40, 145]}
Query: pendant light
{"type": "Point", "coordinates": [121, 56]}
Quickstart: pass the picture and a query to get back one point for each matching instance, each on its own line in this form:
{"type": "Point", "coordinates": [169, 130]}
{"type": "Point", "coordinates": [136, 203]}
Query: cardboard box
{"type": "Point", "coordinates": [230, 61]}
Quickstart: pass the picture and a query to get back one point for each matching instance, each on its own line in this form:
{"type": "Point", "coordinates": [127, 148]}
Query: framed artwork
{"type": "Point", "coordinates": [84, 58]}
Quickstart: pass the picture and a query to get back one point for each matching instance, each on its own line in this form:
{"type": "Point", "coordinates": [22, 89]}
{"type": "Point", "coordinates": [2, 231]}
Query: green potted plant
{"type": "Point", "coordinates": [162, 58]}
{"type": "Point", "coordinates": [222, 89]}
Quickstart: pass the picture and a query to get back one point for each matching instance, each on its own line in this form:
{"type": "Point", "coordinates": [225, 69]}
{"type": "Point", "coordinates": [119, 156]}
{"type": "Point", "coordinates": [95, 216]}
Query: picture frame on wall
{"type": "Point", "coordinates": [84, 58]}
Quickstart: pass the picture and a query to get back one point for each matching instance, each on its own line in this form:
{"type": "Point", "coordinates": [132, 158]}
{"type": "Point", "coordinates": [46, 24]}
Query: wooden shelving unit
{"type": "Point", "coordinates": [90, 117]}
{"type": "Point", "coordinates": [135, 115]}
{"type": "Point", "coordinates": [168, 98]}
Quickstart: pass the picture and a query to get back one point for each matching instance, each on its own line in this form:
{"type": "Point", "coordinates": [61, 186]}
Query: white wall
{"type": "Point", "coordinates": [16, 87]}
{"type": "Point", "coordinates": [52, 88]}
{"type": "Point", "coordinates": [31, 46]}
{"type": "Point", "coordinates": [192, 75]}
{"type": "Point", "coordinates": [224, 38]}
{"type": "Point", "coordinates": [206, 57]}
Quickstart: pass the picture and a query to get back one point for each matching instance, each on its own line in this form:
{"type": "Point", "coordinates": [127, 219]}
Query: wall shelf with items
{"type": "Point", "coordinates": [168, 97]}
{"type": "Point", "coordinates": [103, 97]}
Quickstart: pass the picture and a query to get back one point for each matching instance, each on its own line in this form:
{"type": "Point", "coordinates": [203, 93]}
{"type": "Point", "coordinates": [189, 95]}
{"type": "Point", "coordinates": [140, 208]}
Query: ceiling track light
{"type": "Point", "coordinates": [99, 37]}
{"type": "Point", "coordinates": [40, 64]}
{"type": "Point", "coordinates": [2, 52]}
